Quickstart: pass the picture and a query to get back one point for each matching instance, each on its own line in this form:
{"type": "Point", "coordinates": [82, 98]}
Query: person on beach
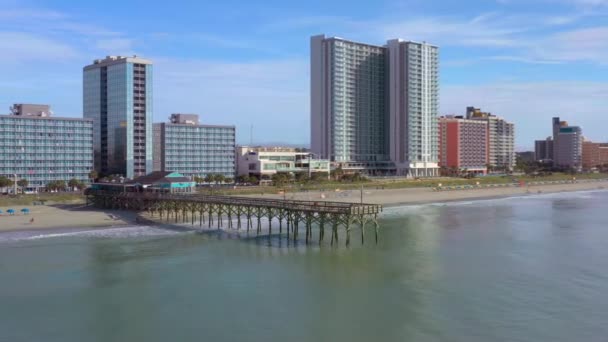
{"type": "Point", "coordinates": [31, 220]}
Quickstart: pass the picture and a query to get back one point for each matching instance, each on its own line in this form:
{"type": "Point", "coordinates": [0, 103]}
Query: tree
{"type": "Point", "coordinates": [5, 182]}
{"type": "Point", "coordinates": [74, 183]}
{"type": "Point", "coordinates": [56, 185]}
{"type": "Point", "coordinates": [219, 178]}
{"type": "Point", "coordinates": [229, 180]}
{"type": "Point", "coordinates": [280, 179]}
{"type": "Point", "coordinates": [301, 177]}
{"type": "Point", "coordinates": [209, 178]}
{"type": "Point", "coordinates": [319, 177]}
{"type": "Point", "coordinates": [22, 183]}
{"type": "Point", "coordinates": [337, 173]}
{"type": "Point", "coordinates": [93, 175]}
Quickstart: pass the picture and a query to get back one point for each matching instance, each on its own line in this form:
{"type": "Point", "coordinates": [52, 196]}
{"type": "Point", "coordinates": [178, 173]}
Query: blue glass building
{"type": "Point", "coordinates": [45, 149]}
{"type": "Point", "coordinates": [117, 96]}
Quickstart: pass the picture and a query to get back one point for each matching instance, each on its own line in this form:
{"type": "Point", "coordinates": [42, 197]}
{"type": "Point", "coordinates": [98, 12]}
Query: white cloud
{"type": "Point", "coordinates": [21, 47]}
{"type": "Point", "coordinates": [589, 44]}
{"type": "Point", "coordinates": [532, 105]}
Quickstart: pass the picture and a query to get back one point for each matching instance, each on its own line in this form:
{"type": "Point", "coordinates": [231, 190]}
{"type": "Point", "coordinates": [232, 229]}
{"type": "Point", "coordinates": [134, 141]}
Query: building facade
{"type": "Point", "coordinates": [374, 108]}
{"type": "Point", "coordinates": [117, 96]}
{"type": "Point", "coordinates": [191, 149]}
{"type": "Point", "coordinates": [413, 74]}
{"type": "Point", "coordinates": [463, 145]}
{"type": "Point", "coordinates": [567, 145]}
{"type": "Point", "coordinates": [266, 161]}
{"type": "Point", "coordinates": [501, 138]}
{"type": "Point", "coordinates": [595, 155]}
{"type": "Point", "coordinates": [42, 149]}
{"type": "Point", "coordinates": [543, 150]}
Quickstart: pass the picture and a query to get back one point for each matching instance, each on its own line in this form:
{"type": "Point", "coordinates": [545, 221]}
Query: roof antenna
{"type": "Point", "coordinates": [251, 136]}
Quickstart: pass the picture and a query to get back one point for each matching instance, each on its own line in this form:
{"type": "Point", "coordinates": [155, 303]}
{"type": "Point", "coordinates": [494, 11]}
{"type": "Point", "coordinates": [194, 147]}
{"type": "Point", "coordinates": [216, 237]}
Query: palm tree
{"type": "Point", "coordinates": [93, 175]}
{"type": "Point", "coordinates": [22, 183]}
{"type": "Point", "coordinates": [209, 178]}
{"type": "Point", "coordinates": [219, 178]}
{"type": "Point", "coordinates": [74, 183]}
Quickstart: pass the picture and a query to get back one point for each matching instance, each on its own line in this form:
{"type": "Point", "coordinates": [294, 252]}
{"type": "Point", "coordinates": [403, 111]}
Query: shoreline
{"type": "Point", "coordinates": [490, 198]}
{"type": "Point", "coordinates": [70, 218]}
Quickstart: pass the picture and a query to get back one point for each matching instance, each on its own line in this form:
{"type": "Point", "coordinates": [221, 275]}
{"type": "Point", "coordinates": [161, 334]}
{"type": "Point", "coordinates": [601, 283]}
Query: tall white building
{"type": "Point", "coordinates": [374, 108]}
{"type": "Point", "coordinates": [413, 107]}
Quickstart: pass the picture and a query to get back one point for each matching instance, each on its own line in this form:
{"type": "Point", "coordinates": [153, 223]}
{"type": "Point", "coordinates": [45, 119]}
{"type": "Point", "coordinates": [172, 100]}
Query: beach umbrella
{"type": "Point", "coordinates": [10, 211]}
{"type": "Point", "coordinates": [25, 211]}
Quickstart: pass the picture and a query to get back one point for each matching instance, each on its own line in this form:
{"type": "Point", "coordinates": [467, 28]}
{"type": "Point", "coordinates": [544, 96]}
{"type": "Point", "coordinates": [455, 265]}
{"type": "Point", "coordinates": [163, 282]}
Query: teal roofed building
{"type": "Point", "coordinates": [166, 182]}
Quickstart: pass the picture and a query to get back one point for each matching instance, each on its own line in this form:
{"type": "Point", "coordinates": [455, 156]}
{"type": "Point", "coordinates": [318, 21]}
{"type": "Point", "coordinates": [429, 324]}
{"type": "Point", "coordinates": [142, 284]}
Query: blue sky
{"type": "Point", "coordinates": [246, 62]}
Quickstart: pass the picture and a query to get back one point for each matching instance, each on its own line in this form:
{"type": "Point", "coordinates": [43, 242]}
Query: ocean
{"type": "Point", "coordinates": [531, 268]}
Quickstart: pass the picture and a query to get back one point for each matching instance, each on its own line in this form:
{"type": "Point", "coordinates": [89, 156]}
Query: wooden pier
{"type": "Point", "coordinates": [247, 212]}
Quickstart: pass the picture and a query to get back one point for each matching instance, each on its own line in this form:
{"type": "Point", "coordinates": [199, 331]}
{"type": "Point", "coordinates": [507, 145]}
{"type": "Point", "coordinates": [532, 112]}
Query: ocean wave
{"type": "Point", "coordinates": [122, 232]}
{"type": "Point", "coordinates": [532, 196]}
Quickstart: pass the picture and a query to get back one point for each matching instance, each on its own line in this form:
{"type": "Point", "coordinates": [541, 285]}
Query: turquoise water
{"type": "Point", "coordinates": [527, 269]}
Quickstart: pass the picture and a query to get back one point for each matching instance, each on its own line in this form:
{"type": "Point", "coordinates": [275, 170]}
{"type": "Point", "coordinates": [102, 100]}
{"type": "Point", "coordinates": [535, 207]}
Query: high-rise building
{"type": "Point", "coordinates": [374, 108]}
{"type": "Point", "coordinates": [543, 149]}
{"type": "Point", "coordinates": [42, 149]}
{"type": "Point", "coordinates": [463, 144]}
{"type": "Point", "coordinates": [413, 106]}
{"type": "Point", "coordinates": [567, 145]}
{"type": "Point", "coordinates": [117, 95]}
{"type": "Point", "coordinates": [501, 138]}
{"type": "Point", "coordinates": [191, 149]}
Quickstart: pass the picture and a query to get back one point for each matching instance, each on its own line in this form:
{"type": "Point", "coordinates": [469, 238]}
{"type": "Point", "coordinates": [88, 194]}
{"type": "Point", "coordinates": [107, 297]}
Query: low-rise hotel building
{"type": "Point", "coordinates": [41, 148]}
{"type": "Point", "coordinates": [266, 161]}
{"type": "Point", "coordinates": [186, 147]}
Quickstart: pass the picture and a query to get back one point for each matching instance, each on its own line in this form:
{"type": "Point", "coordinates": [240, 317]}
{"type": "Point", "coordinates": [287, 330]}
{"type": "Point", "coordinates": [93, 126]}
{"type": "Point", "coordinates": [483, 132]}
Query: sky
{"type": "Point", "coordinates": [246, 63]}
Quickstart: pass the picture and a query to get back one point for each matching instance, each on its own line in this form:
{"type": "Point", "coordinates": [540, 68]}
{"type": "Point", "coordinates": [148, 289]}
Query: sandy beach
{"type": "Point", "coordinates": [412, 196]}
{"type": "Point", "coordinates": [65, 216]}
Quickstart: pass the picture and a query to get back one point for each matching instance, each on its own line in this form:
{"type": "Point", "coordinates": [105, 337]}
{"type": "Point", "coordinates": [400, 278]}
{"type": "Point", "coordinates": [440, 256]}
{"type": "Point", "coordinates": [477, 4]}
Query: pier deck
{"type": "Point", "coordinates": [213, 210]}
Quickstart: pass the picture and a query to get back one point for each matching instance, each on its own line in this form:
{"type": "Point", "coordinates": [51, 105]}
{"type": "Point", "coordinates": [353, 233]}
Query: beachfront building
{"type": "Point", "coordinates": [463, 145]}
{"type": "Point", "coordinates": [567, 145]}
{"type": "Point", "coordinates": [413, 75]}
{"type": "Point", "coordinates": [501, 139]}
{"type": "Point", "coordinates": [117, 96]}
{"type": "Point", "coordinates": [191, 149]}
{"type": "Point", "coordinates": [374, 108]}
{"type": "Point", "coordinates": [266, 161]}
{"type": "Point", "coordinates": [41, 149]}
{"type": "Point", "coordinates": [543, 150]}
{"type": "Point", "coordinates": [165, 182]}
{"type": "Point", "coordinates": [595, 155]}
